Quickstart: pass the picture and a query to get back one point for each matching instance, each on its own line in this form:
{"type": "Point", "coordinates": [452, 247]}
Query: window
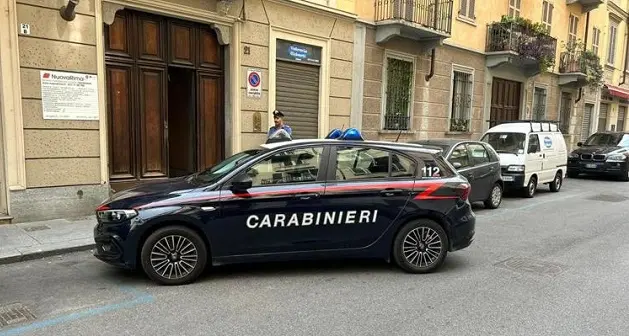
{"type": "Point", "coordinates": [353, 163]}
{"type": "Point", "coordinates": [547, 14]}
{"type": "Point", "coordinates": [467, 9]}
{"type": "Point", "coordinates": [620, 124]}
{"type": "Point", "coordinates": [539, 103]}
{"type": "Point", "coordinates": [459, 155]}
{"type": "Point", "coordinates": [534, 144]}
{"type": "Point", "coordinates": [565, 112]}
{"type": "Point", "coordinates": [291, 166]}
{"type": "Point", "coordinates": [479, 153]}
{"type": "Point", "coordinates": [611, 46]}
{"type": "Point", "coordinates": [398, 95]}
{"type": "Point", "coordinates": [586, 125]}
{"type": "Point", "coordinates": [461, 110]}
{"type": "Point", "coordinates": [573, 25]}
{"type": "Point", "coordinates": [596, 37]}
{"type": "Point", "coordinates": [514, 8]}
{"type": "Point", "coordinates": [506, 142]}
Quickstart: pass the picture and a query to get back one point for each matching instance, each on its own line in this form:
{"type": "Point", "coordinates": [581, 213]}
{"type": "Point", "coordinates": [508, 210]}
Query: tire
{"type": "Point", "coordinates": [556, 184]}
{"type": "Point", "coordinates": [493, 200]}
{"type": "Point", "coordinates": [625, 176]}
{"type": "Point", "coordinates": [160, 268]}
{"type": "Point", "coordinates": [531, 188]}
{"type": "Point", "coordinates": [412, 261]}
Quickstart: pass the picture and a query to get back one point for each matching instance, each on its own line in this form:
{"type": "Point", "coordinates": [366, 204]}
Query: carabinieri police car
{"type": "Point", "coordinates": [339, 197]}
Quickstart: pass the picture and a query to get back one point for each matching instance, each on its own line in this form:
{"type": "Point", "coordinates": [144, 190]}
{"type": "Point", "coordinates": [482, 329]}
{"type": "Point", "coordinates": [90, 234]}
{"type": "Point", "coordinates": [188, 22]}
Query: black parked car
{"type": "Point", "coordinates": [478, 162]}
{"type": "Point", "coordinates": [603, 153]}
{"type": "Point", "coordinates": [292, 200]}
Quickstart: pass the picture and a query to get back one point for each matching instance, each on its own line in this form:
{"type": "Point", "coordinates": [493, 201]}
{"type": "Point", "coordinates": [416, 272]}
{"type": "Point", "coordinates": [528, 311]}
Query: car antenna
{"type": "Point", "coordinates": [398, 136]}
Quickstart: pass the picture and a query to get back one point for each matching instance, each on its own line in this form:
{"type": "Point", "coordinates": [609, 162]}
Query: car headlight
{"type": "Point", "coordinates": [115, 216]}
{"type": "Point", "coordinates": [573, 155]}
{"type": "Point", "coordinates": [518, 168]}
{"type": "Point", "coordinates": [616, 158]}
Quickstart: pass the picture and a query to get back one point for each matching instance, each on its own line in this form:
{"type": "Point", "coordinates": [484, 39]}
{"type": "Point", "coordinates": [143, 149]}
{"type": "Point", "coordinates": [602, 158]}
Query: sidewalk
{"type": "Point", "coordinates": [33, 240]}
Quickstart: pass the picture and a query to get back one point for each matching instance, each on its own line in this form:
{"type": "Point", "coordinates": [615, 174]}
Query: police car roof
{"type": "Point", "coordinates": [389, 144]}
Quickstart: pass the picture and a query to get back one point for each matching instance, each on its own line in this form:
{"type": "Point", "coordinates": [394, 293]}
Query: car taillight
{"type": "Point", "coordinates": [463, 190]}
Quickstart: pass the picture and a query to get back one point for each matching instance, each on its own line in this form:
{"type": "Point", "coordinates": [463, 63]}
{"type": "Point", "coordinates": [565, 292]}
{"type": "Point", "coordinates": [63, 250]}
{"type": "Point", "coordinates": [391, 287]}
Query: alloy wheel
{"type": "Point", "coordinates": [174, 257]}
{"type": "Point", "coordinates": [496, 195]}
{"type": "Point", "coordinates": [422, 246]}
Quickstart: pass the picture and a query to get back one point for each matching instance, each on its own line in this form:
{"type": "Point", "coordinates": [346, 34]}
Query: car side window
{"type": "Point", "coordinates": [624, 142]}
{"type": "Point", "coordinates": [460, 156]}
{"type": "Point", "coordinates": [479, 154]}
{"type": "Point", "coordinates": [533, 143]}
{"type": "Point", "coordinates": [353, 163]}
{"type": "Point", "coordinates": [291, 166]}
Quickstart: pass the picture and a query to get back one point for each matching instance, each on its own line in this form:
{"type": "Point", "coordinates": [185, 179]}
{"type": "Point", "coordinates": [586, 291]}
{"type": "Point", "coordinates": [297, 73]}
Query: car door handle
{"type": "Point", "coordinates": [391, 192]}
{"type": "Point", "coordinates": [307, 196]}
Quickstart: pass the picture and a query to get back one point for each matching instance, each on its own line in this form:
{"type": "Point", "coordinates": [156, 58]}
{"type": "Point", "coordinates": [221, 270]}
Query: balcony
{"type": "Point", "coordinates": [426, 21]}
{"type": "Point", "coordinates": [586, 5]}
{"type": "Point", "coordinates": [579, 67]}
{"type": "Point", "coordinates": [520, 46]}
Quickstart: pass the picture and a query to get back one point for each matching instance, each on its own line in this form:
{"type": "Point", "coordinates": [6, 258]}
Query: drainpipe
{"type": "Point", "coordinates": [432, 66]}
{"type": "Point", "coordinates": [585, 43]}
{"type": "Point", "coordinates": [624, 72]}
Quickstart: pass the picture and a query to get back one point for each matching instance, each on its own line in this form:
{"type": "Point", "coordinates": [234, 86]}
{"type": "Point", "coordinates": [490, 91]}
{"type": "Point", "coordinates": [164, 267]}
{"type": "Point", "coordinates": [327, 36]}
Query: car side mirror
{"type": "Point", "coordinates": [241, 186]}
{"type": "Point", "coordinates": [579, 144]}
{"type": "Point", "coordinates": [457, 165]}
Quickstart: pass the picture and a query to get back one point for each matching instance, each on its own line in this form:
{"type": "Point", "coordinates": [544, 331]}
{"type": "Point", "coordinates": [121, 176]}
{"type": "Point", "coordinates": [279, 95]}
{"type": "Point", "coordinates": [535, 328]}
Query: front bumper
{"type": "Point", "coordinates": [577, 166]}
{"type": "Point", "coordinates": [112, 246]}
{"type": "Point", "coordinates": [513, 180]}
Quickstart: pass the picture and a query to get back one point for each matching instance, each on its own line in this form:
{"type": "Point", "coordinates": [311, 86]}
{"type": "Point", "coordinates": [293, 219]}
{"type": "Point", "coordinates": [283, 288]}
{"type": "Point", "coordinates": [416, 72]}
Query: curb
{"type": "Point", "coordinates": [44, 254]}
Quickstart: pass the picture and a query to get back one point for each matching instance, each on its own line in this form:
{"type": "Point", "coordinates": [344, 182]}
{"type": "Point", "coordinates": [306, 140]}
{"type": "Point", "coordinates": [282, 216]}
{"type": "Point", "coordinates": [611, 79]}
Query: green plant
{"type": "Point", "coordinates": [586, 61]}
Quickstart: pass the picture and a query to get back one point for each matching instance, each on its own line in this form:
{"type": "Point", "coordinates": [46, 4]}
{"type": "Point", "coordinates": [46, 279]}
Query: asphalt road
{"type": "Point", "coordinates": [566, 274]}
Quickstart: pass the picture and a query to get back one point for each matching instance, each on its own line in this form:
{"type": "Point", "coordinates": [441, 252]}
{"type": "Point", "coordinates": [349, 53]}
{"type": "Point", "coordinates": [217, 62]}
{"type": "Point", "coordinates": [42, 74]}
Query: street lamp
{"type": "Point", "coordinates": [67, 12]}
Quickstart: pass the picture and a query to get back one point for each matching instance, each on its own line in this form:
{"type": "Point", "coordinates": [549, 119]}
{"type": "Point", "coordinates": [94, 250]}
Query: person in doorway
{"type": "Point", "coordinates": [278, 119]}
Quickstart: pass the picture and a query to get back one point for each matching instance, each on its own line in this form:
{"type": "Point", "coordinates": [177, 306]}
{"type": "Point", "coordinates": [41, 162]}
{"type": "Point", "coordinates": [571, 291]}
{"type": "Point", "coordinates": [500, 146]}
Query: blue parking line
{"type": "Point", "coordinates": [137, 298]}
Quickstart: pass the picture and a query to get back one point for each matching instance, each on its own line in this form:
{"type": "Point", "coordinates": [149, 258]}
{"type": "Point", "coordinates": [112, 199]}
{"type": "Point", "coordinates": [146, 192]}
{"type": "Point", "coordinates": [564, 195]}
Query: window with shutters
{"type": "Point", "coordinates": [620, 123]}
{"type": "Point", "coordinates": [596, 37]}
{"type": "Point", "coordinates": [602, 117]}
{"type": "Point", "coordinates": [461, 98]}
{"type": "Point", "coordinates": [565, 112]}
{"type": "Point", "coordinates": [586, 125]}
{"type": "Point", "coordinates": [467, 9]}
{"type": "Point", "coordinates": [573, 25]}
{"type": "Point", "coordinates": [539, 103]}
{"type": "Point", "coordinates": [514, 8]}
{"type": "Point", "coordinates": [611, 45]}
{"type": "Point", "coordinates": [398, 84]}
{"type": "Point", "coordinates": [547, 14]}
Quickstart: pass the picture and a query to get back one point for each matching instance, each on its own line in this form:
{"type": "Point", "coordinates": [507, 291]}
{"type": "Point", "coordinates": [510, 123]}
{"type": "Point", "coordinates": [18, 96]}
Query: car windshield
{"type": "Point", "coordinates": [605, 139]}
{"type": "Point", "coordinates": [506, 142]}
{"type": "Point", "coordinates": [219, 170]}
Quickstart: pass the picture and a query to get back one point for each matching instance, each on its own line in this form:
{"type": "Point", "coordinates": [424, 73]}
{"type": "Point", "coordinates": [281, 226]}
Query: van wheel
{"type": "Point", "coordinates": [174, 255]}
{"type": "Point", "coordinates": [420, 246]}
{"type": "Point", "coordinates": [625, 176]}
{"type": "Point", "coordinates": [556, 184]}
{"type": "Point", "coordinates": [495, 197]}
{"type": "Point", "coordinates": [531, 188]}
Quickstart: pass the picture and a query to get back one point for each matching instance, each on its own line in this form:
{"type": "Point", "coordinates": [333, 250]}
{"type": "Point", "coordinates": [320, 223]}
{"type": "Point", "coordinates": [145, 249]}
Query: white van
{"type": "Point", "coordinates": [531, 153]}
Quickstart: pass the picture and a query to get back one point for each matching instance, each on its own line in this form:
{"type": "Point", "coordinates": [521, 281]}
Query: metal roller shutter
{"type": "Point", "coordinates": [620, 124]}
{"type": "Point", "coordinates": [587, 121]}
{"type": "Point", "coordinates": [297, 95]}
{"type": "Point", "coordinates": [602, 117]}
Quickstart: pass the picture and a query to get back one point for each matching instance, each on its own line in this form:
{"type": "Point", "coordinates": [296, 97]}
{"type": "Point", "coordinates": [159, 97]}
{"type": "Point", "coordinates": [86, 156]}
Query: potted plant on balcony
{"type": "Point", "coordinates": [577, 58]}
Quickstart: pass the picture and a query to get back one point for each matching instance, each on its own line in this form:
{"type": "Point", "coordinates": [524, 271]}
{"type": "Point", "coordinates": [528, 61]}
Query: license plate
{"type": "Point", "coordinates": [590, 165]}
{"type": "Point", "coordinates": [507, 178]}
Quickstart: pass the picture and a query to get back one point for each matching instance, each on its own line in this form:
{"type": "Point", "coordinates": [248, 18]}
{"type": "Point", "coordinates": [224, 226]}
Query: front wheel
{"type": "Point", "coordinates": [531, 188]}
{"type": "Point", "coordinates": [173, 255]}
{"type": "Point", "coordinates": [420, 246]}
{"type": "Point", "coordinates": [556, 184]}
{"type": "Point", "coordinates": [495, 197]}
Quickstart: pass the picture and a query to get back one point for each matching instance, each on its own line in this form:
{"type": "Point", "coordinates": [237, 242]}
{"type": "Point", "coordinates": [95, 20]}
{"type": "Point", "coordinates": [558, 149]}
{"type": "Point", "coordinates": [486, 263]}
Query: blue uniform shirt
{"type": "Point", "coordinates": [284, 127]}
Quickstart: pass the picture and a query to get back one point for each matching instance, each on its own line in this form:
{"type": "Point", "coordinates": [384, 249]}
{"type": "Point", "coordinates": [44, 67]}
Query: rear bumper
{"type": "Point", "coordinates": [462, 228]}
{"type": "Point", "coordinates": [576, 166]}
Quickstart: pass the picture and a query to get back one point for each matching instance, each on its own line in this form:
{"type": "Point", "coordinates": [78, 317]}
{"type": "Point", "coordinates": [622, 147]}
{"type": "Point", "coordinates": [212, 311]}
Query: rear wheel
{"type": "Point", "coordinates": [173, 255]}
{"type": "Point", "coordinates": [556, 184]}
{"type": "Point", "coordinates": [495, 197]}
{"type": "Point", "coordinates": [420, 246]}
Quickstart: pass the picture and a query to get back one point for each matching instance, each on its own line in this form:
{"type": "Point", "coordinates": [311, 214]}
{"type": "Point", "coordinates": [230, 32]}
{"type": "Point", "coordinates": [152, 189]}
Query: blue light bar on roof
{"type": "Point", "coordinates": [334, 134]}
{"type": "Point", "coordinates": [352, 134]}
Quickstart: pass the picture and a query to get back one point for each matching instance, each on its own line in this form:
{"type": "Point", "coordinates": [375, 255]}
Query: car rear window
{"type": "Point", "coordinates": [435, 166]}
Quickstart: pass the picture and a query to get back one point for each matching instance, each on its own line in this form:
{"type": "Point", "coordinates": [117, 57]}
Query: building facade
{"type": "Point", "coordinates": [454, 68]}
{"type": "Point", "coordinates": [114, 93]}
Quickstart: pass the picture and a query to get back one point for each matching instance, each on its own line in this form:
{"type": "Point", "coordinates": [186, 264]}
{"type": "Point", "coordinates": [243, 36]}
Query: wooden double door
{"type": "Point", "coordinates": [165, 82]}
{"type": "Point", "coordinates": [505, 101]}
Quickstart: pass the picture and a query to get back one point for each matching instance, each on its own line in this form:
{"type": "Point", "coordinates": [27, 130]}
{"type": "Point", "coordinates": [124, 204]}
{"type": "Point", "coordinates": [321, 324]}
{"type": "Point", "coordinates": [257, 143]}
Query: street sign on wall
{"type": "Point", "coordinates": [69, 96]}
{"type": "Point", "coordinates": [254, 83]}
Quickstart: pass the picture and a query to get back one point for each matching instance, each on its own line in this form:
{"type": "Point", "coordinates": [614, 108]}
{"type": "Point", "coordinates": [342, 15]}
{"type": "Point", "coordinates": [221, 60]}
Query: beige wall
{"type": "Point", "coordinates": [268, 20]}
{"type": "Point", "coordinates": [431, 108]}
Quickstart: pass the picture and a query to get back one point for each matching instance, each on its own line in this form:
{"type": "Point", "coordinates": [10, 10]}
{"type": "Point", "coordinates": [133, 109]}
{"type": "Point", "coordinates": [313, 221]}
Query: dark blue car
{"type": "Point", "coordinates": [293, 200]}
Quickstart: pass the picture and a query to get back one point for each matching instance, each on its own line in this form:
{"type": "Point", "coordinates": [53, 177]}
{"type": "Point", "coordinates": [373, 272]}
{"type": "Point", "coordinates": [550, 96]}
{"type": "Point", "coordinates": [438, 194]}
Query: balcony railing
{"type": "Point", "coordinates": [432, 14]}
{"type": "Point", "coordinates": [570, 62]}
{"type": "Point", "coordinates": [521, 40]}
{"type": "Point", "coordinates": [396, 122]}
